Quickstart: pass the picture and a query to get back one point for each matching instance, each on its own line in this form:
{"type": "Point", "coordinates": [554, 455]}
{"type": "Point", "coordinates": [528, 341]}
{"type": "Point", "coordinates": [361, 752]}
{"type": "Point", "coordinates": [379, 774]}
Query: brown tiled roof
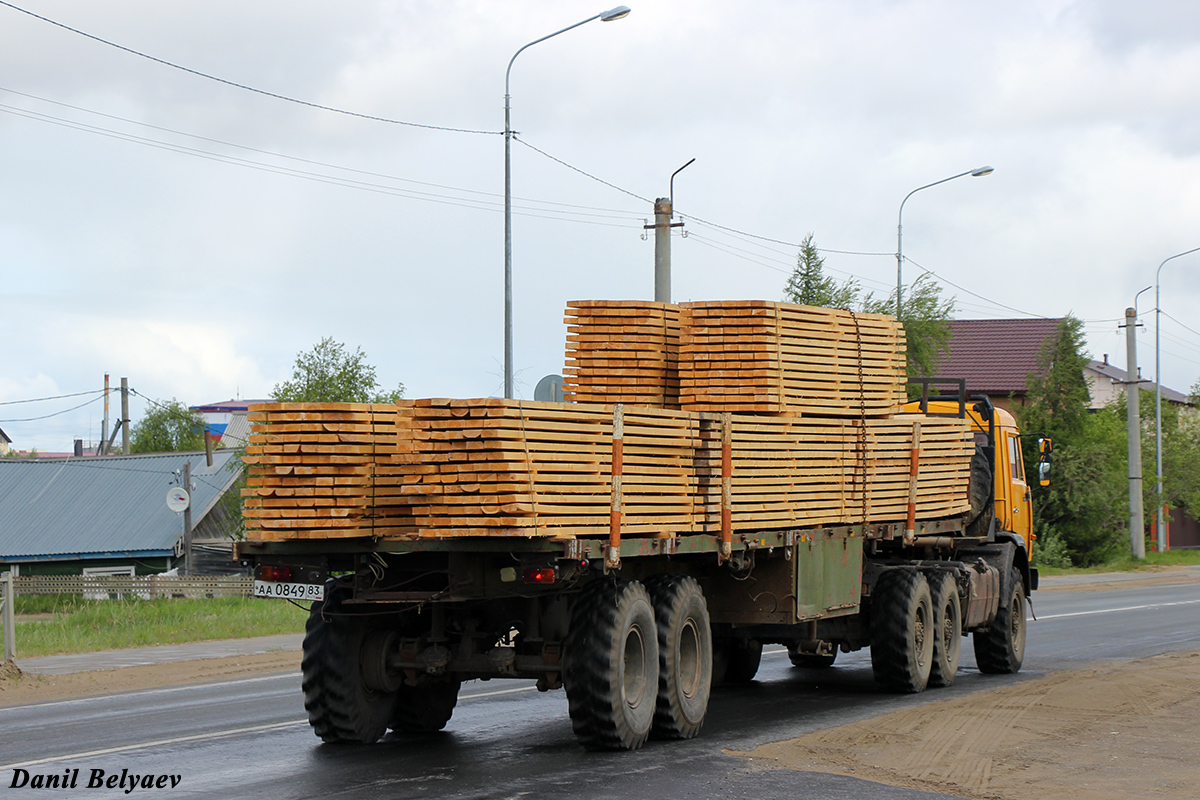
{"type": "Point", "coordinates": [994, 356]}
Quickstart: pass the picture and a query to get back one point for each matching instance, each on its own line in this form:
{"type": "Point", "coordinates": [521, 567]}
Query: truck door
{"type": "Point", "coordinates": [1018, 512]}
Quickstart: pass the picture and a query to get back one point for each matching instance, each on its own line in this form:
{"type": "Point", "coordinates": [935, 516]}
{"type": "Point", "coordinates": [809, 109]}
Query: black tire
{"type": "Point", "coordinates": [736, 661]}
{"type": "Point", "coordinates": [340, 705]}
{"type": "Point", "coordinates": [685, 655]}
{"type": "Point", "coordinates": [811, 660]}
{"type": "Point", "coordinates": [902, 630]}
{"type": "Point", "coordinates": [610, 669]}
{"type": "Point", "coordinates": [425, 708]}
{"type": "Point", "coordinates": [312, 668]}
{"type": "Point", "coordinates": [1000, 648]}
{"type": "Point", "coordinates": [947, 625]}
{"type": "Point", "coordinates": [981, 493]}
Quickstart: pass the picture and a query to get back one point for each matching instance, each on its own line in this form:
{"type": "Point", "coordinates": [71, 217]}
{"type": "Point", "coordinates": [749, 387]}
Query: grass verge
{"type": "Point", "coordinates": [1151, 562]}
{"type": "Point", "coordinates": [87, 626]}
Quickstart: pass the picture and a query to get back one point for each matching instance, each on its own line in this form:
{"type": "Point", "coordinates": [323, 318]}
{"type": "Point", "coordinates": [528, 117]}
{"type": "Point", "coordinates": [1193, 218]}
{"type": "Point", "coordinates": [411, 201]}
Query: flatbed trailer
{"type": "Point", "coordinates": [729, 474]}
{"type": "Point", "coordinates": [638, 629]}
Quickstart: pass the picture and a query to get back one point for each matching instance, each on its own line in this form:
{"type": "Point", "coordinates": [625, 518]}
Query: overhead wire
{"type": "Point", "coordinates": [55, 397]}
{"type": "Point", "coordinates": [542, 209]}
{"type": "Point", "coordinates": [243, 86]}
{"type": "Point", "coordinates": [56, 413]}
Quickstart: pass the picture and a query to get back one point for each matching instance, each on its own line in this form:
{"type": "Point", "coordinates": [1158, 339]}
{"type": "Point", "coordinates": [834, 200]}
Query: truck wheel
{"type": "Point", "coordinates": [811, 660]}
{"type": "Point", "coordinates": [947, 626]}
{"type": "Point", "coordinates": [736, 661]}
{"type": "Point", "coordinates": [425, 708]}
{"type": "Point", "coordinates": [1000, 648]}
{"type": "Point", "coordinates": [610, 668]}
{"type": "Point", "coordinates": [685, 656]}
{"type": "Point", "coordinates": [312, 669]}
{"type": "Point", "coordinates": [902, 630]}
{"type": "Point", "coordinates": [341, 707]}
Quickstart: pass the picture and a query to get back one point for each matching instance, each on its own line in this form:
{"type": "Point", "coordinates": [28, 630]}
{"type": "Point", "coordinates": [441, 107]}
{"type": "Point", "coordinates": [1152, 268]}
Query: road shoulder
{"type": "Point", "coordinates": [1112, 732]}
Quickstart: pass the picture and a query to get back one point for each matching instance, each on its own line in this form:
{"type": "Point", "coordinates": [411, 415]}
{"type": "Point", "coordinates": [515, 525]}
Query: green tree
{"type": "Point", "coordinates": [330, 374]}
{"type": "Point", "coordinates": [167, 427]}
{"type": "Point", "coordinates": [1084, 514]}
{"type": "Point", "coordinates": [926, 318]}
{"type": "Point", "coordinates": [1180, 452]}
{"type": "Point", "coordinates": [809, 285]}
{"type": "Point", "coordinates": [925, 314]}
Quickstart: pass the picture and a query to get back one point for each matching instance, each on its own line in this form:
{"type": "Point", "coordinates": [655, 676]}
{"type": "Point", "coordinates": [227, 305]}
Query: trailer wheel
{"type": "Point", "coordinates": [312, 668]}
{"type": "Point", "coordinates": [425, 708]}
{"type": "Point", "coordinates": [1000, 648]}
{"type": "Point", "coordinates": [685, 656]}
{"type": "Point", "coordinates": [341, 706]}
{"type": "Point", "coordinates": [736, 661]}
{"type": "Point", "coordinates": [610, 667]}
{"type": "Point", "coordinates": [902, 630]}
{"type": "Point", "coordinates": [947, 625]}
{"type": "Point", "coordinates": [811, 660]}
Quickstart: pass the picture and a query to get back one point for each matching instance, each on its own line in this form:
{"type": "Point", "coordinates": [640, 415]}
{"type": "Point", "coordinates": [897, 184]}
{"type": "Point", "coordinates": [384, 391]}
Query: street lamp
{"type": "Point", "coordinates": [619, 12]}
{"type": "Point", "coordinates": [1162, 534]}
{"type": "Point", "coordinates": [974, 173]}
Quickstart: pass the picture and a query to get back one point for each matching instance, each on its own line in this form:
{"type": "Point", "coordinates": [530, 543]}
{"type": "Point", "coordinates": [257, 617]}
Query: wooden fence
{"type": "Point", "coordinates": [147, 587]}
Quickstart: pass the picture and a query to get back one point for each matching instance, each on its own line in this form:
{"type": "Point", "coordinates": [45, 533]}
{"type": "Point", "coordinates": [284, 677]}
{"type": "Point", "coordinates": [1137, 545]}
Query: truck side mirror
{"type": "Point", "coordinates": [1045, 448]}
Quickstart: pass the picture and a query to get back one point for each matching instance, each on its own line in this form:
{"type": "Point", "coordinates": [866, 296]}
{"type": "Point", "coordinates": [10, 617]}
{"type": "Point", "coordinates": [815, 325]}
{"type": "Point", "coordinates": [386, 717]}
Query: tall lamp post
{"type": "Point", "coordinates": [974, 173]}
{"type": "Point", "coordinates": [604, 16]}
{"type": "Point", "coordinates": [1158, 486]}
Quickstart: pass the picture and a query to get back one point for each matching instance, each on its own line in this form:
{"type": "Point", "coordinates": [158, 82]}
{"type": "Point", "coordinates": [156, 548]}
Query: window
{"type": "Point", "coordinates": [1014, 459]}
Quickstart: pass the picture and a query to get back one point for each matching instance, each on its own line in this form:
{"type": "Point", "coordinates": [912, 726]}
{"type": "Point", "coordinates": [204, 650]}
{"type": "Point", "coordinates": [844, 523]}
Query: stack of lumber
{"type": "Point", "coordinates": [946, 447]}
{"type": "Point", "coordinates": [311, 470]}
{"type": "Point", "coordinates": [487, 467]}
{"type": "Point", "coordinates": [622, 352]}
{"type": "Point", "coordinates": [765, 357]}
{"type": "Point", "coordinates": [793, 471]}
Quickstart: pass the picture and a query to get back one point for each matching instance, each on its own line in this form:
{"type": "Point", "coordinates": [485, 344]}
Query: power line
{"type": "Point", "coordinates": [243, 86]}
{"type": "Point", "coordinates": [56, 397]}
{"type": "Point", "coordinates": [1180, 324]}
{"type": "Point", "coordinates": [581, 172]}
{"type": "Point", "coordinates": [298, 159]}
{"type": "Point", "coordinates": [547, 209]}
{"type": "Point", "coordinates": [974, 294]}
{"type": "Point", "coordinates": [56, 413]}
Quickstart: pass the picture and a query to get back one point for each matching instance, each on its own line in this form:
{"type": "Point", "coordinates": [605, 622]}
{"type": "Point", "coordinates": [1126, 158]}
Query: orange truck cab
{"type": "Point", "coordinates": [998, 451]}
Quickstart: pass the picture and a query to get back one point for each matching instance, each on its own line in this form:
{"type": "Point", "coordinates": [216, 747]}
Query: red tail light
{"type": "Point", "coordinates": [538, 575]}
{"type": "Point", "coordinates": [266, 573]}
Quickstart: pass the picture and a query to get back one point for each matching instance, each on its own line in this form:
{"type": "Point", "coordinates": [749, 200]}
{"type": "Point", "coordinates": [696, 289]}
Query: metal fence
{"type": "Point", "coordinates": [147, 587]}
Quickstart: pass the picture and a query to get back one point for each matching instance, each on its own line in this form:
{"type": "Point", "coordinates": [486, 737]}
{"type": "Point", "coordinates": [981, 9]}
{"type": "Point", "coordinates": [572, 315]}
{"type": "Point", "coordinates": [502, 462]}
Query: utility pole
{"type": "Point", "coordinates": [103, 448]}
{"type": "Point", "coordinates": [187, 518]}
{"type": "Point", "coordinates": [125, 416]}
{"type": "Point", "coordinates": [662, 250]}
{"type": "Point", "coordinates": [1137, 536]}
{"type": "Point", "coordinates": [664, 209]}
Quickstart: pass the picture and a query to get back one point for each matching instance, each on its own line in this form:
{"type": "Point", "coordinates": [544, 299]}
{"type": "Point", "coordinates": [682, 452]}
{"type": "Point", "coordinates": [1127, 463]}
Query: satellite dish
{"type": "Point", "coordinates": [549, 389]}
{"type": "Point", "coordinates": [178, 500]}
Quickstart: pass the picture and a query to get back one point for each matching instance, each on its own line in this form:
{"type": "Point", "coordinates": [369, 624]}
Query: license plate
{"type": "Point", "coordinates": [292, 591]}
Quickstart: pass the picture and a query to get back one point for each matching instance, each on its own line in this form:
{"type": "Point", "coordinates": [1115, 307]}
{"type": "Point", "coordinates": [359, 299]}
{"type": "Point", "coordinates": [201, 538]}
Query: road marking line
{"type": "Point", "coordinates": [212, 735]}
{"type": "Point", "coordinates": [498, 692]}
{"type": "Point", "coordinates": [198, 737]}
{"type": "Point", "coordinates": [1114, 610]}
{"type": "Point", "coordinates": [145, 692]}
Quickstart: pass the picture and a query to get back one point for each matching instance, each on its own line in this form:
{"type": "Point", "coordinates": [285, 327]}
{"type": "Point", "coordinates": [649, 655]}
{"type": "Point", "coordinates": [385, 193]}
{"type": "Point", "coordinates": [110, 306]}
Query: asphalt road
{"type": "Point", "coordinates": [249, 738]}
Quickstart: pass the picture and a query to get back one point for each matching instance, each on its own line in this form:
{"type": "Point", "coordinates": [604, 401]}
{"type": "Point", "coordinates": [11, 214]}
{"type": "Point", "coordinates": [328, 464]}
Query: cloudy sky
{"type": "Point", "coordinates": [194, 236]}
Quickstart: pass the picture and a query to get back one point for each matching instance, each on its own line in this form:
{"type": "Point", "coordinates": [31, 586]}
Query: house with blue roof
{"type": "Point", "coordinates": [109, 514]}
